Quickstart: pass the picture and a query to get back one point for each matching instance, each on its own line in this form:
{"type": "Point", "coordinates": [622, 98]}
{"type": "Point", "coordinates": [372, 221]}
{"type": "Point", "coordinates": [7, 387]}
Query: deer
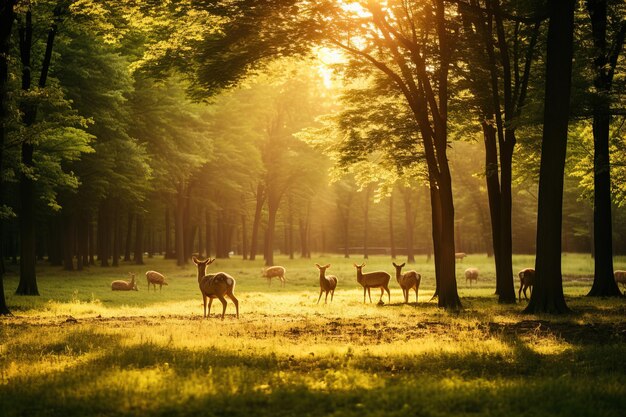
{"type": "Point", "coordinates": [526, 279]}
{"type": "Point", "coordinates": [155, 278]}
{"type": "Point", "coordinates": [327, 283]}
{"type": "Point", "coordinates": [376, 279]}
{"type": "Point", "coordinates": [215, 285]}
{"type": "Point", "coordinates": [275, 272]}
{"type": "Point", "coordinates": [408, 281]}
{"type": "Point", "coordinates": [471, 274]}
{"type": "Point", "coordinates": [121, 285]}
{"type": "Point", "coordinates": [459, 255]}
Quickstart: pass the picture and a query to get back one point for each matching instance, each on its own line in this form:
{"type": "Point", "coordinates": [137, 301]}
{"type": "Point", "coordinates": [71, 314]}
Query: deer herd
{"type": "Point", "coordinates": [221, 285]}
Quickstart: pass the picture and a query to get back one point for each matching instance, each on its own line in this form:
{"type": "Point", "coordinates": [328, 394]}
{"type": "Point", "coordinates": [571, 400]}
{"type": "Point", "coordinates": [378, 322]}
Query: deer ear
{"type": "Point", "coordinates": [355, 265]}
{"type": "Point", "coordinates": [394, 264]}
{"type": "Point", "coordinates": [327, 266]}
{"type": "Point", "coordinates": [363, 264]}
{"type": "Point", "coordinates": [318, 265]}
{"type": "Point", "coordinates": [401, 266]}
{"type": "Point", "coordinates": [195, 260]}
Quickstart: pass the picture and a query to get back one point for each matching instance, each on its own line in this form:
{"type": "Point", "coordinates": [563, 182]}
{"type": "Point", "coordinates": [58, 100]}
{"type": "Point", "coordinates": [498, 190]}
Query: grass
{"type": "Point", "coordinates": [80, 349]}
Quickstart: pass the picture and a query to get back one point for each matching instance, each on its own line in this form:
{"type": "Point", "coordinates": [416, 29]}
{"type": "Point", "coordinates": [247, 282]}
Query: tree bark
{"type": "Point", "coordinates": [28, 277]}
{"type": "Point", "coordinates": [139, 236]}
{"type": "Point", "coordinates": [271, 226]}
{"type": "Point", "coordinates": [129, 235]}
{"type": "Point", "coordinates": [547, 295]}
{"type": "Point", "coordinates": [366, 226]}
{"type": "Point", "coordinates": [409, 219]}
{"type": "Point", "coordinates": [103, 234]}
{"type": "Point", "coordinates": [179, 225]}
{"type": "Point", "coordinates": [244, 237]}
{"type": "Point", "coordinates": [207, 225]}
{"type": "Point", "coordinates": [117, 235]}
{"type": "Point", "coordinates": [258, 210]}
{"type": "Point", "coordinates": [7, 17]}
{"type": "Point", "coordinates": [68, 241]}
{"type": "Point", "coordinates": [392, 240]}
{"type": "Point", "coordinates": [604, 284]}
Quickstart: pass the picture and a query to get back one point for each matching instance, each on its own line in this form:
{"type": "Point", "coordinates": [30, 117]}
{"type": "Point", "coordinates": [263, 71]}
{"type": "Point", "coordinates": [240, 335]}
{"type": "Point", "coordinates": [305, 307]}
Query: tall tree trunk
{"type": "Point", "coordinates": [244, 237]}
{"type": "Point", "coordinates": [435, 213]}
{"type": "Point", "coordinates": [68, 241]}
{"type": "Point", "coordinates": [168, 235]}
{"type": "Point", "coordinates": [290, 245]}
{"type": "Point", "coordinates": [448, 294]}
{"type": "Point", "coordinates": [392, 240]}
{"type": "Point", "coordinates": [200, 239]}
{"type": "Point", "coordinates": [104, 242]}
{"type": "Point", "coordinates": [506, 290]}
{"type": "Point", "coordinates": [129, 235]}
{"type": "Point", "coordinates": [604, 284]}
{"type": "Point", "coordinates": [271, 226]}
{"type": "Point", "coordinates": [258, 210]}
{"type": "Point", "coordinates": [6, 25]}
{"type": "Point", "coordinates": [117, 232]}
{"type": "Point", "coordinates": [409, 217]}
{"type": "Point", "coordinates": [28, 252]}
{"type": "Point", "coordinates": [139, 236]}
{"type": "Point", "coordinates": [92, 242]}
{"type": "Point", "coordinates": [547, 295]}
{"type": "Point", "coordinates": [188, 228]}
{"type": "Point", "coordinates": [81, 235]}
{"type": "Point", "coordinates": [366, 226]}
{"type": "Point", "coordinates": [179, 225]}
{"type": "Point", "coordinates": [207, 224]}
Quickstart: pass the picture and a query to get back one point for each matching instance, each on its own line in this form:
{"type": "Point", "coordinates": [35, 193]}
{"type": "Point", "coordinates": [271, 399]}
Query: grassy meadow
{"type": "Point", "coordinates": [80, 349]}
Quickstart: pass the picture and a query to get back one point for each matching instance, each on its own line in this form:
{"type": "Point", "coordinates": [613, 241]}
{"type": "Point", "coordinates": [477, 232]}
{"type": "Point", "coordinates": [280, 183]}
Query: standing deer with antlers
{"type": "Point", "coordinates": [215, 286]}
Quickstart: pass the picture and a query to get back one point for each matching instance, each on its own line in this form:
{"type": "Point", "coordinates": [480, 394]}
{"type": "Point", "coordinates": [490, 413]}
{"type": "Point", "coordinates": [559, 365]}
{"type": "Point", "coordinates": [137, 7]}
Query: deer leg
{"type": "Point", "coordinates": [326, 298]}
{"type": "Point", "coordinates": [369, 293]}
{"type": "Point", "coordinates": [332, 293]}
{"type": "Point", "coordinates": [364, 292]}
{"type": "Point", "coordinates": [223, 301]}
{"type": "Point", "coordinates": [389, 295]}
{"type": "Point", "coordinates": [204, 300]}
{"type": "Point", "coordinates": [320, 297]}
{"type": "Point", "coordinates": [282, 281]}
{"type": "Point", "coordinates": [210, 302]}
{"type": "Point", "coordinates": [235, 302]}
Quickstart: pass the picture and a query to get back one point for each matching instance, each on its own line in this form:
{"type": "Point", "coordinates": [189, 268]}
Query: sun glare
{"type": "Point", "coordinates": [327, 58]}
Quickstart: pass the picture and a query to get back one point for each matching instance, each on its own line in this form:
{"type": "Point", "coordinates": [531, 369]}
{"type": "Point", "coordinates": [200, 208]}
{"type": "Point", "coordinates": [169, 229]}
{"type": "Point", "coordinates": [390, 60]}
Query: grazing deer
{"type": "Point", "coordinates": [471, 274]}
{"type": "Point", "coordinates": [215, 286]}
{"type": "Point", "coordinates": [526, 279]}
{"type": "Point", "coordinates": [155, 279]}
{"type": "Point", "coordinates": [620, 278]}
{"type": "Point", "coordinates": [121, 285]}
{"type": "Point", "coordinates": [408, 281]}
{"type": "Point", "coordinates": [459, 255]}
{"type": "Point", "coordinates": [376, 279]}
{"type": "Point", "coordinates": [327, 283]}
{"type": "Point", "coordinates": [275, 272]}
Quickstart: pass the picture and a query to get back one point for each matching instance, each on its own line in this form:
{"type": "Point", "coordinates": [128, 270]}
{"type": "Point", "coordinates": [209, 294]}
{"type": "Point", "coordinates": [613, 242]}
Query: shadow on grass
{"type": "Point", "coordinates": [152, 379]}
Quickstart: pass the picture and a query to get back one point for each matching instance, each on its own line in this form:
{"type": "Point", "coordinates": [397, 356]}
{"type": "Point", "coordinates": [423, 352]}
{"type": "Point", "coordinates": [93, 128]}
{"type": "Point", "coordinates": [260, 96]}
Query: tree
{"type": "Point", "coordinates": [7, 17]}
{"type": "Point", "coordinates": [547, 296]}
{"type": "Point", "coordinates": [604, 68]}
{"type": "Point", "coordinates": [500, 105]}
{"type": "Point", "coordinates": [396, 39]}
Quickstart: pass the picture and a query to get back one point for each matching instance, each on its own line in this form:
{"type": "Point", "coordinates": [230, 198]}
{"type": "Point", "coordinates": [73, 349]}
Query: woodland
{"type": "Point", "coordinates": [443, 134]}
{"type": "Point", "coordinates": [242, 128]}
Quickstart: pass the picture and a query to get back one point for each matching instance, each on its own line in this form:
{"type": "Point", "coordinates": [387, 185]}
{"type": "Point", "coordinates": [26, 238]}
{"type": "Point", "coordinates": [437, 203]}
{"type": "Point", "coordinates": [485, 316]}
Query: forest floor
{"type": "Point", "coordinates": [80, 349]}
